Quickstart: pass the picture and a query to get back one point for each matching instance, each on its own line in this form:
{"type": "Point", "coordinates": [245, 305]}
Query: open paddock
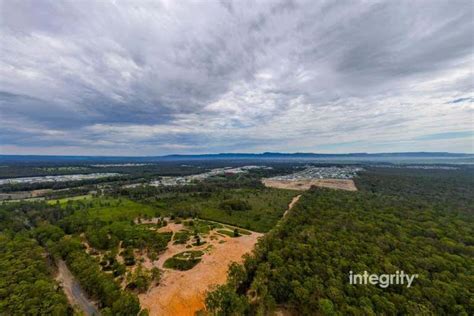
{"type": "Point", "coordinates": [306, 184]}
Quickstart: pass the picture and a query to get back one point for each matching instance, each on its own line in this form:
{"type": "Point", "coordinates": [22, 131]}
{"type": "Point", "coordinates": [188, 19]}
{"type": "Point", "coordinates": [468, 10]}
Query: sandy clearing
{"type": "Point", "coordinates": [171, 227]}
{"type": "Point", "coordinates": [183, 292]}
{"type": "Point", "coordinates": [302, 185]}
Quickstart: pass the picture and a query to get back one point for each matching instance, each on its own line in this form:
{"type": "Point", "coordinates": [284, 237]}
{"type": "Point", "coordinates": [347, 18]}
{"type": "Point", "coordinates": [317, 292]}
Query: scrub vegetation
{"type": "Point", "coordinates": [254, 209]}
{"type": "Point", "coordinates": [184, 260]}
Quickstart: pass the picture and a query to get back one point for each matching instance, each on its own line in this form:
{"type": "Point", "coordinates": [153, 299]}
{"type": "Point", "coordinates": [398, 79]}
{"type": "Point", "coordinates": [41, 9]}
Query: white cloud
{"type": "Point", "coordinates": [171, 76]}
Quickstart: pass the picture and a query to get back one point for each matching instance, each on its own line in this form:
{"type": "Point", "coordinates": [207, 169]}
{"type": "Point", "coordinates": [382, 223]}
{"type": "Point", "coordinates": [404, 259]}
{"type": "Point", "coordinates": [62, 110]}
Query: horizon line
{"type": "Point", "coordinates": [243, 153]}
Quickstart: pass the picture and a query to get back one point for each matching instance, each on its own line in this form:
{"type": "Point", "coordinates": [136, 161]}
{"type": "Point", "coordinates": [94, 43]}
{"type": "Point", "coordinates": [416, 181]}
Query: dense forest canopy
{"type": "Point", "coordinates": [416, 221]}
{"type": "Point", "coordinates": [26, 286]}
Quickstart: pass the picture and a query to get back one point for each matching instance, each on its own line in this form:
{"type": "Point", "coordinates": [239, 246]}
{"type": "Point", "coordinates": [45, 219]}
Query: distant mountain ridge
{"type": "Point", "coordinates": [316, 155]}
{"type": "Point", "coordinates": [224, 156]}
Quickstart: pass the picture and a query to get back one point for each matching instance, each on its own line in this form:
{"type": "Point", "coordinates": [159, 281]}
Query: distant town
{"type": "Point", "coordinates": [322, 173]}
{"type": "Point", "coordinates": [184, 180]}
{"type": "Point", "coordinates": [61, 178]}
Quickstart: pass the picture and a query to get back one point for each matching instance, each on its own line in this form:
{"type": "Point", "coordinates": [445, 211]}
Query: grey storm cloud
{"type": "Point", "coordinates": [155, 77]}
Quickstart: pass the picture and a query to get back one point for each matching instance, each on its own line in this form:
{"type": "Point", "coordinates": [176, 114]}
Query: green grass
{"type": "Point", "coordinates": [267, 207]}
{"type": "Point", "coordinates": [201, 226]}
{"type": "Point", "coordinates": [241, 231]}
{"type": "Point", "coordinates": [112, 209]}
{"type": "Point", "coordinates": [182, 265]}
{"type": "Point", "coordinates": [184, 260]}
{"type": "Point", "coordinates": [181, 237]}
{"type": "Point", "coordinates": [244, 232]}
{"type": "Point", "coordinates": [72, 198]}
{"type": "Point", "coordinates": [226, 232]}
{"type": "Point", "coordinates": [188, 254]}
{"type": "Point", "coordinates": [166, 235]}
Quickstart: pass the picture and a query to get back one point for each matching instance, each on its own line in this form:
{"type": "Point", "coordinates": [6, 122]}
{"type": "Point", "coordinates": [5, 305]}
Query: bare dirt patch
{"type": "Point", "coordinates": [183, 292]}
{"type": "Point", "coordinates": [305, 184]}
{"type": "Point", "coordinates": [171, 227]}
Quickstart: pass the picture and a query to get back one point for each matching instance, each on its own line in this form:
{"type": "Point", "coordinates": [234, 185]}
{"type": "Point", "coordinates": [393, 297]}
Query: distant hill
{"type": "Point", "coordinates": [273, 155]}
{"type": "Point", "coordinates": [15, 159]}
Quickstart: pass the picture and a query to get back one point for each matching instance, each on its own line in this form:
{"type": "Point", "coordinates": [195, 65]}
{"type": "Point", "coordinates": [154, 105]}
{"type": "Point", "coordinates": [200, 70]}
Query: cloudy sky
{"type": "Point", "coordinates": [160, 77]}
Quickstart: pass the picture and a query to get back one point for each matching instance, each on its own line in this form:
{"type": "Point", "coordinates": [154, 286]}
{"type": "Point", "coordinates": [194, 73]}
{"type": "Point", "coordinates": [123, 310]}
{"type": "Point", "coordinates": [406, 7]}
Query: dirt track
{"type": "Point", "coordinates": [292, 203]}
{"type": "Point", "coordinates": [74, 293]}
{"type": "Point", "coordinates": [303, 185]}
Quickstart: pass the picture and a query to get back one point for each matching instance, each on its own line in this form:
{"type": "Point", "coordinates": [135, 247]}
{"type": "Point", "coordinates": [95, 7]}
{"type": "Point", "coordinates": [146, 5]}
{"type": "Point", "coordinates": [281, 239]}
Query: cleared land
{"type": "Point", "coordinates": [197, 252]}
{"type": "Point", "coordinates": [303, 185]}
{"type": "Point", "coordinates": [183, 292]}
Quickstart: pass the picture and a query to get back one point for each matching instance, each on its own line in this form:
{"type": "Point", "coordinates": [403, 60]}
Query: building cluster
{"type": "Point", "coordinates": [121, 165]}
{"type": "Point", "coordinates": [311, 172]}
{"type": "Point", "coordinates": [62, 178]}
{"type": "Point", "coordinates": [169, 181]}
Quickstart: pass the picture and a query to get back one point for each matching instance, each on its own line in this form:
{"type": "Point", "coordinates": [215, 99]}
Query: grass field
{"type": "Point", "coordinates": [263, 207]}
{"type": "Point", "coordinates": [72, 198]}
{"type": "Point", "coordinates": [266, 206]}
{"type": "Point", "coordinates": [111, 209]}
